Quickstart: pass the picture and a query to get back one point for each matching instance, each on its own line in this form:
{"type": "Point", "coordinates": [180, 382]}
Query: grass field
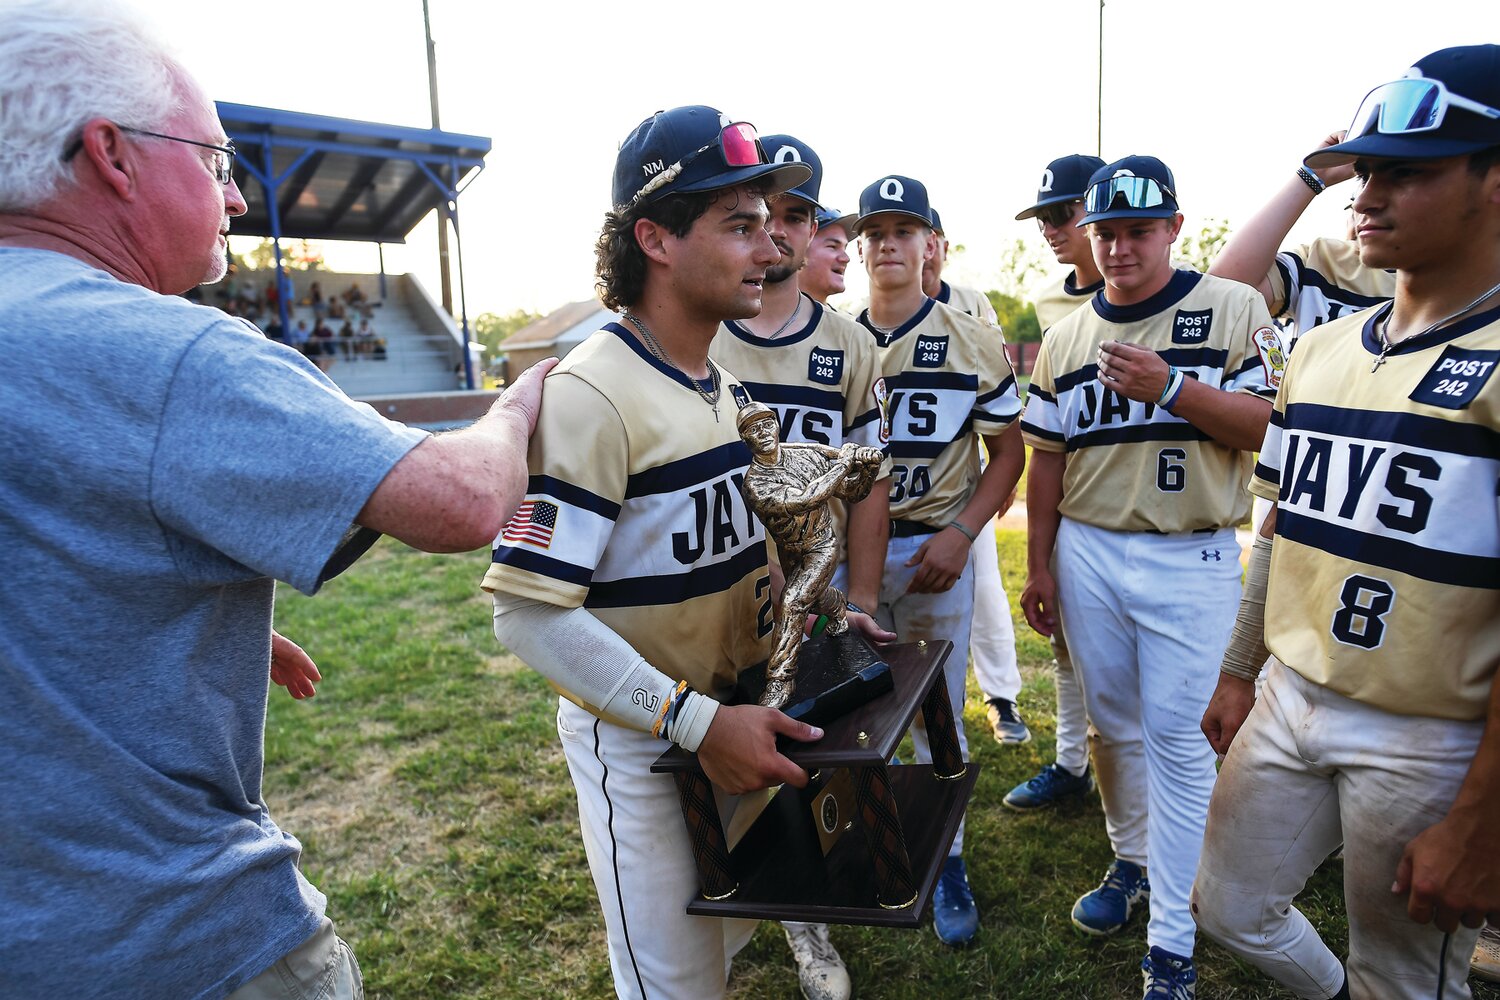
{"type": "Point", "coordinates": [426, 784]}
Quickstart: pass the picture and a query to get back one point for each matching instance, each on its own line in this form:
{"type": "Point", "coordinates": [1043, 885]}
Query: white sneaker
{"type": "Point", "coordinates": [819, 968]}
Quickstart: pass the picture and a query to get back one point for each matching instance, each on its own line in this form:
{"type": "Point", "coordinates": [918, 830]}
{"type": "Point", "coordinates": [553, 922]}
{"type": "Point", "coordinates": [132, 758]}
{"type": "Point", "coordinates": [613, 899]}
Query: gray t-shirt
{"type": "Point", "coordinates": [160, 464]}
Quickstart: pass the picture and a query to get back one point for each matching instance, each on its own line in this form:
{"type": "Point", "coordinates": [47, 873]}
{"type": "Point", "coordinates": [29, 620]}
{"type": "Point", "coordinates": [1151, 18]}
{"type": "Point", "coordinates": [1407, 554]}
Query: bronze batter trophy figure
{"type": "Point", "coordinates": [864, 842]}
{"type": "Point", "coordinates": [789, 486]}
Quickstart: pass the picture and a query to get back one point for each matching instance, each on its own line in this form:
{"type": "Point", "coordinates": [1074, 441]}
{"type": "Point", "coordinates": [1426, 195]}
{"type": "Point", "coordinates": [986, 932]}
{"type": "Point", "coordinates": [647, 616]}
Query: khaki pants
{"type": "Point", "coordinates": [320, 968]}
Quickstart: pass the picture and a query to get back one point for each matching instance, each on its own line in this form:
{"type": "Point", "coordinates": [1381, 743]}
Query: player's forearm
{"type": "Point", "coordinates": [869, 535]}
{"type": "Point", "coordinates": [1007, 460]}
{"type": "Point", "coordinates": [1043, 496]}
{"type": "Point", "coordinates": [586, 658]}
{"type": "Point", "coordinates": [1480, 792]}
{"type": "Point", "coordinates": [1234, 419]}
{"type": "Point", "coordinates": [1251, 250]}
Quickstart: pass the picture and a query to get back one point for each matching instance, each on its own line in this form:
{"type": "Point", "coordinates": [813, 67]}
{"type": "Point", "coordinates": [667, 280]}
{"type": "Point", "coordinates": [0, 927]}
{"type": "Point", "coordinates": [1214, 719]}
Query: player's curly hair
{"type": "Point", "coordinates": [619, 261]}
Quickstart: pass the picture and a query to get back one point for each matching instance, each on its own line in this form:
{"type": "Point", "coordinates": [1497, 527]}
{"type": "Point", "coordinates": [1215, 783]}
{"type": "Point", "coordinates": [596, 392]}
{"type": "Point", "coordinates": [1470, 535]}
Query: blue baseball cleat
{"type": "Point", "coordinates": [954, 915]}
{"type": "Point", "coordinates": [1168, 976]}
{"type": "Point", "coordinates": [1108, 908]}
{"type": "Point", "coordinates": [1051, 785]}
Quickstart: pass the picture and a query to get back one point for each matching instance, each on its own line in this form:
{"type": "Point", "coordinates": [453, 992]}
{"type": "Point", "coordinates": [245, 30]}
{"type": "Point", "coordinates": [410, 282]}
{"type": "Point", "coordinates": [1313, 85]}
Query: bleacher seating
{"type": "Point", "coordinates": [421, 343]}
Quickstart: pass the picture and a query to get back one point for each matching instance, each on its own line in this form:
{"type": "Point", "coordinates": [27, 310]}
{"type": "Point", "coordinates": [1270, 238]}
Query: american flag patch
{"type": "Point", "coordinates": [532, 522]}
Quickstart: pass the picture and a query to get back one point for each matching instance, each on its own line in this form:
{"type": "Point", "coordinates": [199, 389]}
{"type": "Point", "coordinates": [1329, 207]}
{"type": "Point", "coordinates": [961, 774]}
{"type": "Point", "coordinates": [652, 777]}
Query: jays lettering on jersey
{"type": "Point", "coordinates": [1386, 569]}
{"type": "Point", "coordinates": [1324, 280]}
{"type": "Point", "coordinates": [1060, 298]}
{"type": "Point", "coordinates": [948, 379]}
{"type": "Point", "coordinates": [634, 511]}
{"type": "Point", "coordinates": [968, 301]}
{"type": "Point", "coordinates": [1133, 466]}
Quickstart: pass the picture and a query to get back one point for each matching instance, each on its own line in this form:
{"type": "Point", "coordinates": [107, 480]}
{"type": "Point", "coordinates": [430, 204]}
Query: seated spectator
{"type": "Point", "coordinates": [354, 295]}
{"type": "Point", "coordinates": [301, 338]}
{"type": "Point", "coordinates": [346, 338]}
{"type": "Point", "coordinates": [336, 309]}
{"type": "Point", "coordinates": [275, 331]}
{"type": "Point", "coordinates": [365, 339]}
{"type": "Point", "coordinates": [315, 299]}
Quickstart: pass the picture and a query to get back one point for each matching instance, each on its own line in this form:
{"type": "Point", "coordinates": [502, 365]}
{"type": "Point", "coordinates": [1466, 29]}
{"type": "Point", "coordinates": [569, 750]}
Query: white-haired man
{"type": "Point", "coordinates": [144, 529]}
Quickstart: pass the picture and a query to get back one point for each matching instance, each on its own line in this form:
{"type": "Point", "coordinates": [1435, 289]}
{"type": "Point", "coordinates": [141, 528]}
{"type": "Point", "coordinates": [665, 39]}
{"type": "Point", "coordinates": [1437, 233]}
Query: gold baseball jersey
{"type": "Point", "coordinates": [1317, 283]}
{"type": "Point", "coordinates": [949, 380]}
{"type": "Point", "coordinates": [634, 511]}
{"type": "Point", "coordinates": [1385, 576]}
{"type": "Point", "coordinates": [1060, 298]}
{"type": "Point", "coordinates": [968, 301]}
{"type": "Point", "coordinates": [822, 381]}
{"type": "Point", "coordinates": [1133, 466]}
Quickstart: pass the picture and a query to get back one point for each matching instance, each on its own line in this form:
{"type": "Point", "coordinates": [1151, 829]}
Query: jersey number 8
{"type": "Point", "coordinates": [1360, 619]}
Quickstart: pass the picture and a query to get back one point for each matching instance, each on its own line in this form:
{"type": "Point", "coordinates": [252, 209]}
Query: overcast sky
{"type": "Point", "coordinates": [972, 99]}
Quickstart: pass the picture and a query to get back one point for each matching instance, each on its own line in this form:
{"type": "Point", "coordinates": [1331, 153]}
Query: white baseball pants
{"type": "Point", "coordinates": [1147, 618]}
{"type": "Point", "coordinates": [642, 863]}
{"type": "Point", "coordinates": [1311, 768]}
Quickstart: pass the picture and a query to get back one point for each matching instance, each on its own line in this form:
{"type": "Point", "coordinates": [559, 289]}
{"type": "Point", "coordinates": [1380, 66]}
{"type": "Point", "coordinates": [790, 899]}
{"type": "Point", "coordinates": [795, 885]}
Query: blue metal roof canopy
{"type": "Point", "coordinates": [341, 179]}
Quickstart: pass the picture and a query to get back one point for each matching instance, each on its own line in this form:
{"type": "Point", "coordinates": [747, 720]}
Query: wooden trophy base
{"type": "Point", "coordinates": [864, 843]}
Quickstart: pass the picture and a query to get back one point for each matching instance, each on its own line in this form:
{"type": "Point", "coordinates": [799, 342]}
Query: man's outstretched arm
{"type": "Point", "coordinates": [454, 492]}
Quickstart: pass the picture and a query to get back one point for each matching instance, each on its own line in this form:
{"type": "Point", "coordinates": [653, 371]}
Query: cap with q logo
{"type": "Point", "coordinates": [1065, 179]}
{"type": "Point", "coordinates": [894, 194]}
{"type": "Point", "coordinates": [781, 149]}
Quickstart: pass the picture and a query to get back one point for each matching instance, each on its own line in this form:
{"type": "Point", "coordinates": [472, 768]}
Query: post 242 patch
{"type": "Point", "coordinates": [824, 366]}
{"type": "Point", "coordinates": [931, 352]}
{"type": "Point", "coordinates": [1454, 382]}
{"type": "Point", "coordinates": [1190, 326]}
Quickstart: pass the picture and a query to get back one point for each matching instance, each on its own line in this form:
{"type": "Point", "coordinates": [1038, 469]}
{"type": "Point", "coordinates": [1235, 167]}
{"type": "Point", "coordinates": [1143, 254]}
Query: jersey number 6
{"type": "Point", "coordinates": [1171, 474]}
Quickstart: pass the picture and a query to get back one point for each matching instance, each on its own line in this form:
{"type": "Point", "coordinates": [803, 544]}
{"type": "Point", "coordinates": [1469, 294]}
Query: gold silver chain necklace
{"type": "Point", "coordinates": [1384, 327]}
{"type": "Point", "coordinates": [660, 354]}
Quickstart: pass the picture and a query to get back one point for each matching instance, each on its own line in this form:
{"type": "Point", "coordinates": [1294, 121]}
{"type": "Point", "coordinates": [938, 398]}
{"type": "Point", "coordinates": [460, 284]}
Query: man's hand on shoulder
{"type": "Point", "coordinates": [739, 755]}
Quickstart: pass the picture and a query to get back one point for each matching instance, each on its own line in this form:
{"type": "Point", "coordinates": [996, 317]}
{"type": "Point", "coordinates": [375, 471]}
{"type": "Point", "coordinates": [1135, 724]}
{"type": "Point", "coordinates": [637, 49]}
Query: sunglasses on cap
{"type": "Point", "coordinates": [1056, 215]}
{"type": "Point", "coordinates": [738, 143]}
{"type": "Point", "coordinates": [1413, 104]}
{"type": "Point", "coordinates": [1138, 192]}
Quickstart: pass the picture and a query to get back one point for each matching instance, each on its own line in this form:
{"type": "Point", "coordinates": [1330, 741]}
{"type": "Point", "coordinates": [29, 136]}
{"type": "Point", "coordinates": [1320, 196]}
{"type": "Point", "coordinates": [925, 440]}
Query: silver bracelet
{"type": "Point", "coordinates": [971, 536]}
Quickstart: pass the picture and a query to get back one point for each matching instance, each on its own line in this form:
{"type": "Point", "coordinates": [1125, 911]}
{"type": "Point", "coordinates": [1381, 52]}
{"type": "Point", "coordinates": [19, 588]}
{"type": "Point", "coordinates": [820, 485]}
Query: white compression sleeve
{"type": "Point", "coordinates": [585, 657]}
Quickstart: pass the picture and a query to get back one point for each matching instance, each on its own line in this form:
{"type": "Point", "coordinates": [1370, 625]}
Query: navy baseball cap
{"type": "Point", "coordinates": [785, 149]}
{"type": "Point", "coordinates": [894, 193]}
{"type": "Point", "coordinates": [1137, 187]}
{"type": "Point", "coordinates": [937, 222]}
{"type": "Point", "coordinates": [695, 148]}
{"type": "Point", "coordinates": [1065, 179]}
{"type": "Point", "coordinates": [833, 217]}
{"type": "Point", "coordinates": [1448, 104]}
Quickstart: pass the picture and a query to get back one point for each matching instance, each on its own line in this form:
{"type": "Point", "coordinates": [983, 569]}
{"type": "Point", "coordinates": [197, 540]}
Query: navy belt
{"type": "Point", "coordinates": [907, 529]}
{"type": "Point", "coordinates": [1195, 531]}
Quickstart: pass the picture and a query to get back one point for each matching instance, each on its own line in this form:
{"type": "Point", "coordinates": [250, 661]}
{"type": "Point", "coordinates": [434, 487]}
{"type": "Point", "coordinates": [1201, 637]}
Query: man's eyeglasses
{"type": "Point", "coordinates": [1413, 104]}
{"type": "Point", "coordinates": [223, 155]}
{"type": "Point", "coordinates": [738, 143]}
{"type": "Point", "coordinates": [1057, 215]}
